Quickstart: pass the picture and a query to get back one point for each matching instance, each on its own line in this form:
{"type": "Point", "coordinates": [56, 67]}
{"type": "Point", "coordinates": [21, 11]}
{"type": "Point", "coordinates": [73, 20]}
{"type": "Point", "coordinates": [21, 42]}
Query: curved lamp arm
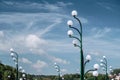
{"type": "Point", "coordinates": [89, 71]}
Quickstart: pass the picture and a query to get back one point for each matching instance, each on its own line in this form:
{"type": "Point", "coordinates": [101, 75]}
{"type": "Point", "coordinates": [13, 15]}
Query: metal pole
{"type": "Point", "coordinates": [106, 76]}
{"type": "Point", "coordinates": [81, 50]}
{"type": "Point", "coordinates": [17, 70]}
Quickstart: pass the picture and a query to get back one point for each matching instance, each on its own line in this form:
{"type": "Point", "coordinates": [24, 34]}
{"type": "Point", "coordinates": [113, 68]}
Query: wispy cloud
{"type": "Point", "coordinates": [39, 65]}
{"type": "Point", "coordinates": [1, 34]}
{"type": "Point", "coordinates": [100, 32]}
{"type": "Point", "coordinates": [106, 6]}
{"type": "Point", "coordinates": [35, 6]}
{"type": "Point", "coordinates": [25, 60]}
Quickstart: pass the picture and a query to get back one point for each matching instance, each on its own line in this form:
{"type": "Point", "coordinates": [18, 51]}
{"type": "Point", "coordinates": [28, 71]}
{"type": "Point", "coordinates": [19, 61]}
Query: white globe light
{"type": "Point", "coordinates": [101, 60]}
{"type": "Point", "coordinates": [23, 75]}
{"type": "Point", "coordinates": [12, 54]}
{"type": "Point", "coordinates": [55, 63]}
{"type": "Point", "coordinates": [101, 64]}
{"type": "Point", "coordinates": [69, 22]}
{"type": "Point", "coordinates": [14, 59]}
{"type": "Point", "coordinates": [96, 66]}
{"type": "Point", "coordinates": [95, 73]}
{"type": "Point", "coordinates": [23, 71]}
{"type": "Point", "coordinates": [56, 67]}
{"type": "Point", "coordinates": [20, 68]}
{"type": "Point", "coordinates": [70, 32]}
{"type": "Point", "coordinates": [110, 67]}
{"type": "Point", "coordinates": [11, 49]}
{"type": "Point", "coordinates": [74, 13]}
{"type": "Point", "coordinates": [16, 63]}
{"type": "Point", "coordinates": [104, 57]}
{"type": "Point", "coordinates": [74, 42]}
{"type": "Point", "coordinates": [88, 57]}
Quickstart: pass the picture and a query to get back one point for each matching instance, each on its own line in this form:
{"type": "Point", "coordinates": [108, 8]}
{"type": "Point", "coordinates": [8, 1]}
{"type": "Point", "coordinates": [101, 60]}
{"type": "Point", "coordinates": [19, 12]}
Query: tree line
{"type": "Point", "coordinates": [8, 73]}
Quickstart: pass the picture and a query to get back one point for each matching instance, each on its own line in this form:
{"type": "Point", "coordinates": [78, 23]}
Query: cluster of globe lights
{"type": "Point", "coordinates": [70, 34]}
{"type": "Point", "coordinates": [57, 67]}
{"type": "Point", "coordinates": [23, 72]}
{"type": "Point", "coordinates": [104, 64]}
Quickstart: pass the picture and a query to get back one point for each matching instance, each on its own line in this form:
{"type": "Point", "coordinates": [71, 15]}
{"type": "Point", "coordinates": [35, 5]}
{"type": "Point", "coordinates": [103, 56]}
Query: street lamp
{"type": "Point", "coordinates": [15, 56]}
{"type": "Point", "coordinates": [57, 67]}
{"type": "Point", "coordinates": [23, 73]}
{"type": "Point", "coordinates": [95, 74]}
{"type": "Point", "coordinates": [70, 33]}
{"type": "Point", "coordinates": [104, 66]}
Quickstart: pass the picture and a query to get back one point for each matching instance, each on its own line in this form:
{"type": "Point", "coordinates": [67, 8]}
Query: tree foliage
{"type": "Point", "coordinates": [8, 73]}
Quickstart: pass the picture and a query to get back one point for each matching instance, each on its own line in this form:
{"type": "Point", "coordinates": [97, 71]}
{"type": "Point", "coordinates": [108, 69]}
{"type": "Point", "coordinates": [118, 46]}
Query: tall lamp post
{"type": "Point", "coordinates": [104, 64]}
{"type": "Point", "coordinates": [70, 33]}
{"type": "Point", "coordinates": [15, 56]}
{"type": "Point", "coordinates": [57, 67]}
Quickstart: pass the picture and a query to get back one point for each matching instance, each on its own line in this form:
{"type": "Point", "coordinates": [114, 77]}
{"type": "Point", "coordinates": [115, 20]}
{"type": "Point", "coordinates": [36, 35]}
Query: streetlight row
{"type": "Point", "coordinates": [57, 67]}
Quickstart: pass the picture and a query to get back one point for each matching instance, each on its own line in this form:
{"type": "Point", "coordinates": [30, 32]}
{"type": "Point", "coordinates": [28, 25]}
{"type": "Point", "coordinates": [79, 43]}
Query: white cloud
{"type": "Point", "coordinates": [101, 32]}
{"type": "Point", "coordinates": [94, 53]}
{"type": "Point", "coordinates": [33, 41]}
{"type": "Point", "coordinates": [25, 60]}
{"type": "Point", "coordinates": [1, 34]}
{"type": "Point", "coordinates": [106, 6]}
{"type": "Point", "coordinates": [59, 60]}
{"type": "Point", "coordinates": [39, 65]}
{"type": "Point", "coordinates": [38, 6]}
{"type": "Point", "coordinates": [63, 71]}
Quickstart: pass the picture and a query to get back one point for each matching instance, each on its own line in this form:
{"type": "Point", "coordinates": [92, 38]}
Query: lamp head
{"type": "Point", "coordinates": [69, 22]}
{"type": "Point", "coordinates": [110, 67]}
{"type": "Point", "coordinates": [74, 42]}
{"type": "Point", "coordinates": [14, 59]}
{"type": "Point", "coordinates": [101, 60]}
{"type": "Point", "coordinates": [11, 50]}
{"type": "Point", "coordinates": [20, 68]}
{"type": "Point", "coordinates": [70, 33]}
{"type": "Point", "coordinates": [88, 57]}
{"type": "Point", "coordinates": [23, 71]}
{"type": "Point", "coordinates": [95, 73]}
{"type": "Point", "coordinates": [101, 64]}
{"type": "Point", "coordinates": [23, 75]}
{"type": "Point", "coordinates": [12, 54]}
{"type": "Point", "coordinates": [96, 66]}
{"type": "Point", "coordinates": [104, 57]}
{"type": "Point", "coordinates": [74, 13]}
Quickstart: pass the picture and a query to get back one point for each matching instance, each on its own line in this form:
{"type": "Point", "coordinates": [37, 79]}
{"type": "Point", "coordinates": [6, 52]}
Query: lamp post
{"type": "Point", "coordinates": [23, 73]}
{"type": "Point", "coordinates": [95, 74]}
{"type": "Point", "coordinates": [104, 64]}
{"type": "Point", "coordinates": [70, 33]}
{"type": "Point", "coordinates": [57, 67]}
{"type": "Point", "coordinates": [15, 59]}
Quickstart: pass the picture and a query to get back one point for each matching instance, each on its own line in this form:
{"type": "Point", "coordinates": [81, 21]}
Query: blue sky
{"type": "Point", "coordinates": [37, 31]}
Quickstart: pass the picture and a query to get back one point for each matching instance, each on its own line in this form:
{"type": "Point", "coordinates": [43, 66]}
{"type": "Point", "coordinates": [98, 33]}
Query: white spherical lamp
{"type": "Point", "coordinates": [74, 13]}
{"type": "Point", "coordinates": [69, 22]}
